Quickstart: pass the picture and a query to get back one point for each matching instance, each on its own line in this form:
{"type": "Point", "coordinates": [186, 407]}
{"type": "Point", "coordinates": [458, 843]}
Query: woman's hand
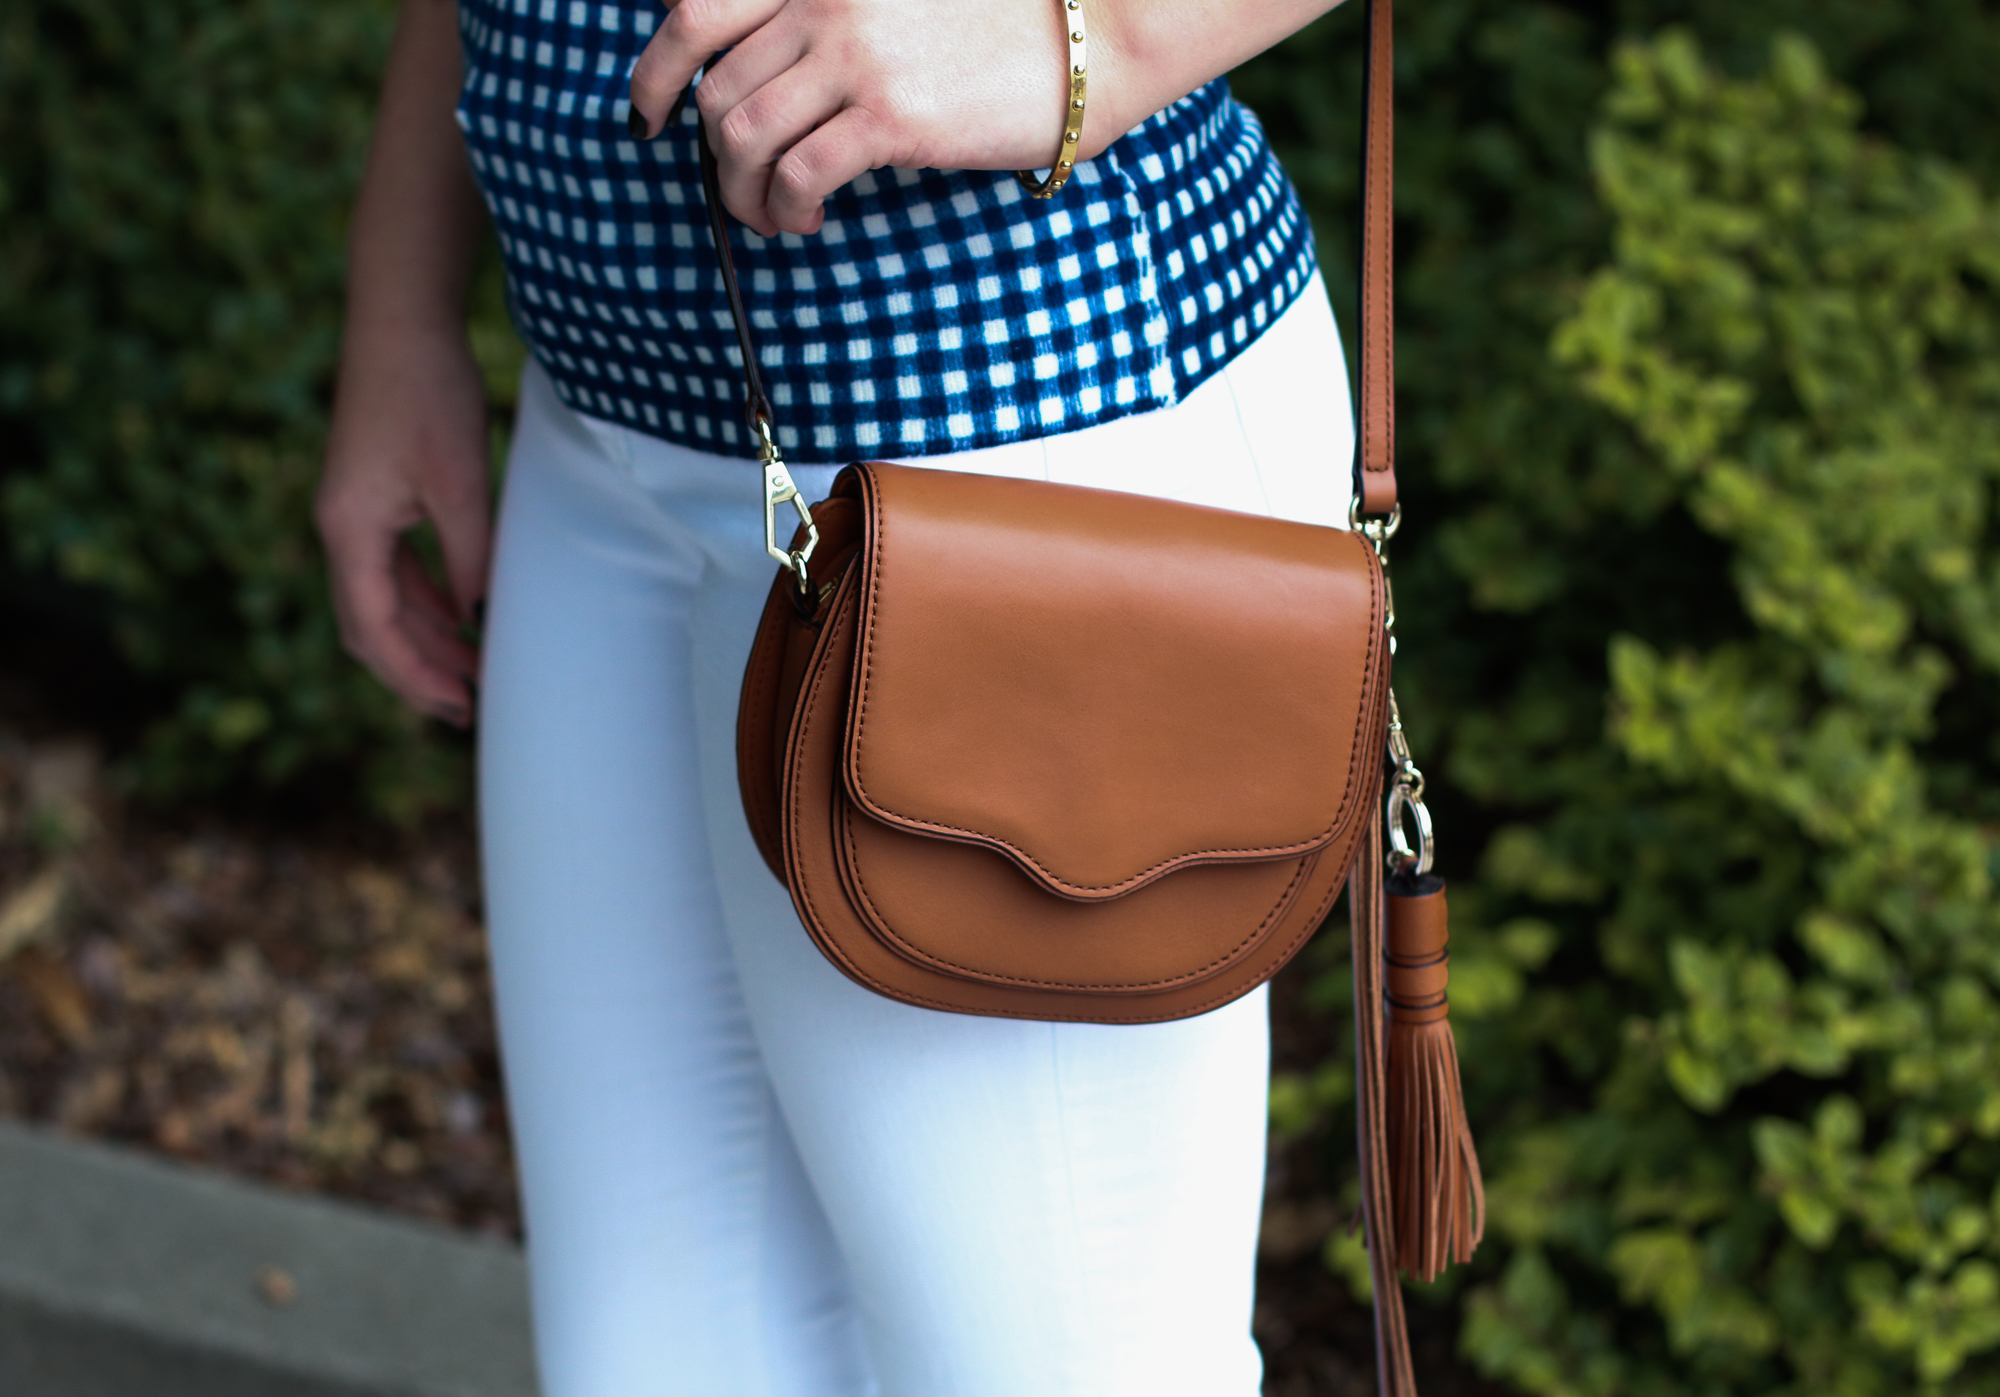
{"type": "Point", "coordinates": [813, 92]}
{"type": "Point", "coordinates": [408, 444]}
{"type": "Point", "coordinates": [409, 447]}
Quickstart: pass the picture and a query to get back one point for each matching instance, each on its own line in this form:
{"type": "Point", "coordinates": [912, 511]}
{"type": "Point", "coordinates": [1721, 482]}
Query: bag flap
{"type": "Point", "coordinates": [1106, 687]}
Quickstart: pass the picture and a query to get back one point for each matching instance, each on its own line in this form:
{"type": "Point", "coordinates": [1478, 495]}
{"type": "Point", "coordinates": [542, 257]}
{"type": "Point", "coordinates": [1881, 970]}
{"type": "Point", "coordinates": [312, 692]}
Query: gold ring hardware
{"type": "Point", "coordinates": [1402, 858]}
{"type": "Point", "coordinates": [1377, 529]}
{"type": "Point", "coordinates": [1072, 136]}
{"type": "Point", "coordinates": [1406, 795]}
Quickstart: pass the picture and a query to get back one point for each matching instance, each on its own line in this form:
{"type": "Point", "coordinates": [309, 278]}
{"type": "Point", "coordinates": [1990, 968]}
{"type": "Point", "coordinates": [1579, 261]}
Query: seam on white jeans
{"type": "Point", "coordinates": [1243, 428]}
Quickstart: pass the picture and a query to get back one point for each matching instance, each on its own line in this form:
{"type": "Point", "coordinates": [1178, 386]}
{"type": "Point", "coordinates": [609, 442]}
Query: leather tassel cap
{"type": "Point", "coordinates": [1438, 1197]}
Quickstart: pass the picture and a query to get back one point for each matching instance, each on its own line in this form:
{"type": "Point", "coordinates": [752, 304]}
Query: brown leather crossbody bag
{"type": "Point", "coordinates": [1035, 750]}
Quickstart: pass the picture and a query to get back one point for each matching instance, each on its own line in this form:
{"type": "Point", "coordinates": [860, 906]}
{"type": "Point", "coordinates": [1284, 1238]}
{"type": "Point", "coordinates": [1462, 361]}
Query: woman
{"type": "Point", "coordinates": [743, 1173]}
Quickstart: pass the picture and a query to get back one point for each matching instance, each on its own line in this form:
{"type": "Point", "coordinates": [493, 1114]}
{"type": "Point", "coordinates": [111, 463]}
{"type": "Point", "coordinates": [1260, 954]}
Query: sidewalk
{"type": "Point", "coordinates": [123, 1275]}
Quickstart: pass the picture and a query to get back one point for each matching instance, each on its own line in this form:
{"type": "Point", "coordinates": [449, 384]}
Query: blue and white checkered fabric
{"type": "Point", "coordinates": [936, 310]}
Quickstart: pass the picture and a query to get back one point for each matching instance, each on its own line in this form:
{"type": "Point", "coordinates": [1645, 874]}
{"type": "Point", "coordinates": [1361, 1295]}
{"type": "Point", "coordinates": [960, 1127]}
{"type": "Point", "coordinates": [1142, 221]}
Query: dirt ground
{"type": "Point", "coordinates": [312, 1009]}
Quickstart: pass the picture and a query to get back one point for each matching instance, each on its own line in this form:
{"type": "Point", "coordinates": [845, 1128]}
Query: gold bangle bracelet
{"type": "Point", "coordinates": [1072, 115]}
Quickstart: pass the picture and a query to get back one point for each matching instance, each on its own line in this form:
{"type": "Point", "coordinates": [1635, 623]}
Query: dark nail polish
{"type": "Point", "coordinates": [635, 122]}
{"type": "Point", "coordinates": [479, 614]}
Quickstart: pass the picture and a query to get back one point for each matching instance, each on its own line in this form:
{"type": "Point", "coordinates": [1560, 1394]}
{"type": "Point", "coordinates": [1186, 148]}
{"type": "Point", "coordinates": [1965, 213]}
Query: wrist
{"type": "Point", "coordinates": [1116, 58]}
{"type": "Point", "coordinates": [1146, 54]}
{"type": "Point", "coordinates": [402, 333]}
{"type": "Point", "coordinates": [404, 359]}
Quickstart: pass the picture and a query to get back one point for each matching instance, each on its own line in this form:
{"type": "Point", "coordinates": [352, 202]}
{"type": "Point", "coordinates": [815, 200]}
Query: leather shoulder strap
{"type": "Point", "coordinates": [1375, 455]}
{"type": "Point", "coordinates": [755, 405]}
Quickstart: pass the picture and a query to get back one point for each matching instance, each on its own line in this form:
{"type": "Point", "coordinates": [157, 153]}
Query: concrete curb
{"type": "Point", "coordinates": [123, 1275]}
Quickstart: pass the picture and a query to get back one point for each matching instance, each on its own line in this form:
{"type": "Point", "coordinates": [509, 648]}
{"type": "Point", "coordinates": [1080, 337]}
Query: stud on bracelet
{"type": "Point", "coordinates": [1065, 161]}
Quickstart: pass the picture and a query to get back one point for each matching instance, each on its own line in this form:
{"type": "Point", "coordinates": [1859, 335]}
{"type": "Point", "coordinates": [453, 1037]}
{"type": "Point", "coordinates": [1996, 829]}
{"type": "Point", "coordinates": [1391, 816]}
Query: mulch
{"type": "Point", "coordinates": [311, 1008]}
{"type": "Point", "coordinates": [311, 1014]}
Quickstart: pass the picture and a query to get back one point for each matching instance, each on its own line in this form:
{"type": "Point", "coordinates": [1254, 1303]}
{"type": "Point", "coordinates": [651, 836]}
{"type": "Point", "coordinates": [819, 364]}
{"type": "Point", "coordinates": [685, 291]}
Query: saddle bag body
{"type": "Point", "coordinates": [1043, 751]}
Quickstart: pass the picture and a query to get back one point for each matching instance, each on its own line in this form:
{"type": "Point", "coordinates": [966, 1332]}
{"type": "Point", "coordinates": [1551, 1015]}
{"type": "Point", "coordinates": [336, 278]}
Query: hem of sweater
{"type": "Point", "coordinates": [948, 446]}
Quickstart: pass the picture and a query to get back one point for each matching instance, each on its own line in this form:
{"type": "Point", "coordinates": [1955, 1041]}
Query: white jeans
{"type": "Point", "coordinates": [744, 1175]}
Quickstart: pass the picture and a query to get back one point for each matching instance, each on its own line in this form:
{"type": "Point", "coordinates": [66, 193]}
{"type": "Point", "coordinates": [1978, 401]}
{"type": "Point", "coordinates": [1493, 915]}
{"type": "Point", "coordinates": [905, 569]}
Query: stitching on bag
{"type": "Point", "coordinates": [867, 664]}
{"type": "Point", "coordinates": [1385, 182]}
{"type": "Point", "coordinates": [802, 888]}
{"type": "Point", "coordinates": [1306, 932]}
{"type": "Point", "coordinates": [832, 948]}
{"type": "Point", "coordinates": [1306, 866]}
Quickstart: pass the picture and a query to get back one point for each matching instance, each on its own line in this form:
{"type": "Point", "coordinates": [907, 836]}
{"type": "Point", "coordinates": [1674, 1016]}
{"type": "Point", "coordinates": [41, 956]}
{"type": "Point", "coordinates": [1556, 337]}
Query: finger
{"type": "Point", "coordinates": [758, 59]}
{"type": "Point", "coordinates": [419, 652]}
{"type": "Point", "coordinates": [366, 601]}
{"type": "Point", "coordinates": [429, 621]}
{"type": "Point", "coordinates": [692, 33]}
{"type": "Point", "coordinates": [464, 527]}
{"type": "Point", "coordinates": [837, 153]}
{"type": "Point", "coordinates": [754, 134]}
{"type": "Point", "coordinates": [420, 600]}
{"type": "Point", "coordinates": [397, 658]}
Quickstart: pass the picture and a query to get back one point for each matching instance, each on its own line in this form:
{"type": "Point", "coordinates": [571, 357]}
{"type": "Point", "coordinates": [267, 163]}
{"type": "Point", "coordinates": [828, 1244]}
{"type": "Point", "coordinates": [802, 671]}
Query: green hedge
{"type": "Point", "coordinates": [1701, 601]}
{"type": "Point", "coordinates": [1700, 595]}
{"type": "Point", "coordinates": [174, 189]}
{"type": "Point", "coordinates": [1793, 1149]}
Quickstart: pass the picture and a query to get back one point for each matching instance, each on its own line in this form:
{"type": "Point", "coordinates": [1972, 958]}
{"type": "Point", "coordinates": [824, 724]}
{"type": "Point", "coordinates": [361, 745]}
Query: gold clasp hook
{"type": "Point", "coordinates": [779, 490]}
{"type": "Point", "coordinates": [1406, 794]}
{"type": "Point", "coordinates": [1406, 780]}
{"type": "Point", "coordinates": [1378, 531]}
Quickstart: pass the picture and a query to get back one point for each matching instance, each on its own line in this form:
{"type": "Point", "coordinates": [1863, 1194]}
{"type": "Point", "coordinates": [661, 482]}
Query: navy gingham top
{"type": "Point", "coordinates": [935, 311]}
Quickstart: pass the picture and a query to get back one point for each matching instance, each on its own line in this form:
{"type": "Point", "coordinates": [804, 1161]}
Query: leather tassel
{"type": "Point", "coordinates": [1394, 1375]}
{"type": "Point", "coordinates": [1439, 1197]}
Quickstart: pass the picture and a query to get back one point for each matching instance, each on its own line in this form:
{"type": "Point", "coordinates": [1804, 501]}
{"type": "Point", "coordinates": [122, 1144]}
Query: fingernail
{"type": "Point", "coordinates": [635, 122]}
{"type": "Point", "coordinates": [479, 613]}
